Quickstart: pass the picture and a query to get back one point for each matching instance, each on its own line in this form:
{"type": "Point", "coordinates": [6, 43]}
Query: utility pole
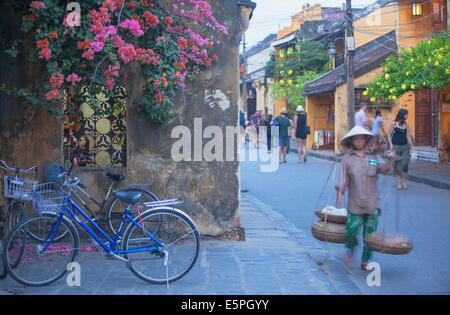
{"type": "Point", "coordinates": [349, 66]}
{"type": "Point", "coordinates": [244, 78]}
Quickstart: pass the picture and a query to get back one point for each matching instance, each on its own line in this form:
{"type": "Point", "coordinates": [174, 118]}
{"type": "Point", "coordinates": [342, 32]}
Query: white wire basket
{"type": "Point", "coordinates": [49, 198]}
{"type": "Point", "coordinates": [16, 187]}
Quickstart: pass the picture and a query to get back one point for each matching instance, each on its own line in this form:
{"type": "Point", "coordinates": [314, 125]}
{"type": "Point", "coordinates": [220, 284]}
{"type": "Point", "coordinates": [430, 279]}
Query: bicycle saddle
{"type": "Point", "coordinates": [115, 177]}
{"type": "Point", "coordinates": [128, 197]}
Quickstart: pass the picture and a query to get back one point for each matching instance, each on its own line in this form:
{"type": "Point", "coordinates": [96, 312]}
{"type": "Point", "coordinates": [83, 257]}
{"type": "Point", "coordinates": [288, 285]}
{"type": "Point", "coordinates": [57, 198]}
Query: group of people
{"type": "Point", "coordinates": [365, 144]}
{"type": "Point", "coordinates": [296, 129]}
{"type": "Point", "coordinates": [397, 138]}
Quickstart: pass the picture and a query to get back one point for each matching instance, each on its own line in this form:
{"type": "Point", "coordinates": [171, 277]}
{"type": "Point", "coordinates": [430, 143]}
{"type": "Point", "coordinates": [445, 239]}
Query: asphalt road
{"type": "Point", "coordinates": [294, 191]}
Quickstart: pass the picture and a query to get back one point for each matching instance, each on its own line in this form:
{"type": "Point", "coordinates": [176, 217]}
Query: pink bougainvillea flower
{"type": "Point", "coordinates": [156, 84]}
{"type": "Point", "coordinates": [159, 96]}
{"type": "Point", "coordinates": [113, 5]}
{"type": "Point", "coordinates": [73, 78]}
{"type": "Point", "coordinates": [164, 81]}
{"type": "Point", "coordinates": [109, 83]}
{"type": "Point", "coordinates": [133, 26]}
{"type": "Point", "coordinates": [88, 54]}
{"type": "Point", "coordinates": [132, 5]}
{"type": "Point", "coordinates": [168, 20]}
{"type": "Point", "coordinates": [118, 41]}
{"type": "Point", "coordinates": [53, 34]}
{"type": "Point", "coordinates": [112, 70]}
{"type": "Point", "coordinates": [127, 53]}
{"type": "Point", "coordinates": [100, 17]}
{"type": "Point", "coordinates": [37, 5]}
{"type": "Point", "coordinates": [52, 95]}
{"type": "Point", "coordinates": [182, 42]}
{"type": "Point", "coordinates": [57, 80]}
{"type": "Point", "coordinates": [85, 44]}
{"type": "Point", "coordinates": [97, 46]}
{"type": "Point", "coordinates": [42, 43]}
{"type": "Point", "coordinates": [151, 19]}
{"type": "Point", "coordinates": [45, 53]}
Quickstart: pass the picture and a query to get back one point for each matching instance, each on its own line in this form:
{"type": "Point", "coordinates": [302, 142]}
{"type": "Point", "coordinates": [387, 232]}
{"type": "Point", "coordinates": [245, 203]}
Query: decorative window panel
{"type": "Point", "coordinates": [96, 139]}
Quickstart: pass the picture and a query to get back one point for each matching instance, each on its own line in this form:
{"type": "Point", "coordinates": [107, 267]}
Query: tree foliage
{"type": "Point", "coordinates": [426, 65]}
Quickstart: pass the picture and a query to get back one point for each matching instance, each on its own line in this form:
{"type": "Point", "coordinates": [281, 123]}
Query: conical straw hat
{"type": "Point", "coordinates": [357, 130]}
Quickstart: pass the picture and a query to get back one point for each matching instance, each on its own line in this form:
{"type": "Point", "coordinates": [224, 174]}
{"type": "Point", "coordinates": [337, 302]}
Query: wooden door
{"type": "Point", "coordinates": [439, 20]}
{"type": "Point", "coordinates": [426, 117]}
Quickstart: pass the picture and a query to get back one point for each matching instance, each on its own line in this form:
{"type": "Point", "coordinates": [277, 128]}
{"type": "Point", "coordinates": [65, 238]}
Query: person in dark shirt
{"type": "Point", "coordinates": [300, 125]}
{"type": "Point", "coordinates": [402, 142]}
{"type": "Point", "coordinates": [284, 125]}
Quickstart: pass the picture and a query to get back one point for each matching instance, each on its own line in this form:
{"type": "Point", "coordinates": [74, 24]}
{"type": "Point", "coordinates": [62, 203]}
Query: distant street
{"type": "Point", "coordinates": [294, 192]}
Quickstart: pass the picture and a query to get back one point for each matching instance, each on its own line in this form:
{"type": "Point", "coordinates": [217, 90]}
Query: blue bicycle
{"type": "Point", "coordinates": [160, 244]}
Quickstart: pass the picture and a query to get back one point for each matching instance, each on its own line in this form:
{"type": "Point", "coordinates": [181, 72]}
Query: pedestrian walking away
{"type": "Point", "coordinates": [268, 124]}
{"type": "Point", "coordinates": [284, 125]}
{"type": "Point", "coordinates": [402, 142]}
{"type": "Point", "coordinates": [361, 117]}
{"type": "Point", "coordinates": [301, 132]}
{"type": "Point", "coordinates": [256, 120]}
{"type": "Point", "coordinates": [359, 174]}
{"type": "Point", "coordinates": [378, 132]}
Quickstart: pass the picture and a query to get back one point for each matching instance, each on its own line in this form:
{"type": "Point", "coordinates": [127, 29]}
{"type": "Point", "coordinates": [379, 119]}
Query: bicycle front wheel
{"type": "Point", "coordinates": [170, 260]}
{"type": "Point", "coordinates": [2, 267]}
{"type": "Point", "coordinates": [31, 255]}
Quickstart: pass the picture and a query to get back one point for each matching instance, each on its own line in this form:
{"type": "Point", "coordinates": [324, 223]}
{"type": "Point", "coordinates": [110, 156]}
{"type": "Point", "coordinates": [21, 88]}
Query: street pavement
{"type": "Point", "coordinates": [279, 255]}
{"type": "Point", "coordinates": [275, 258]}
{"type": "Point", "coordinates": [294, 191]}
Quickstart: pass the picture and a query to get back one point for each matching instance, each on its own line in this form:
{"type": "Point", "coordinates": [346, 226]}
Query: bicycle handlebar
{"type": "Point", "coordinates": [14, 169]}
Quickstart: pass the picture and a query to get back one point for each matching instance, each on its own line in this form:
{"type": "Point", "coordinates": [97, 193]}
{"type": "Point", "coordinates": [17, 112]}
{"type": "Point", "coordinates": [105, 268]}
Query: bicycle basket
{"type": "Point", "coordinates": [49, 197]}
{"type": "Point", "coordinates": [16, 187]}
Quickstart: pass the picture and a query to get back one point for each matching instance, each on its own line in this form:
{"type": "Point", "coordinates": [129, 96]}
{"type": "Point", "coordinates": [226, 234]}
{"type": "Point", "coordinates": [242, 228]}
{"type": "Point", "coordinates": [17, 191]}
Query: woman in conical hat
{"type": "Point", "coordinates": [359, 175]}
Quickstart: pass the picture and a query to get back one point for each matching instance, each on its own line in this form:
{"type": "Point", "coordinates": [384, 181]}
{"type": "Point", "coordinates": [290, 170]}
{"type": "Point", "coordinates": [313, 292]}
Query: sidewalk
{"type": "Point", "coordinates": [276, 258]}
{"type": "Point", "coordinates": [434, 174]}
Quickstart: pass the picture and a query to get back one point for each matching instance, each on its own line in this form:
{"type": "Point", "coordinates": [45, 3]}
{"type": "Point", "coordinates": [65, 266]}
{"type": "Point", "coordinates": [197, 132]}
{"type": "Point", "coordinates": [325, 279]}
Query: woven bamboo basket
{"type": "Point", "coordinates": [329, 232]}
{"type": "Point", "coordinates": [389, 244]}
{"type": "Point", "coordinates": [332, 218]}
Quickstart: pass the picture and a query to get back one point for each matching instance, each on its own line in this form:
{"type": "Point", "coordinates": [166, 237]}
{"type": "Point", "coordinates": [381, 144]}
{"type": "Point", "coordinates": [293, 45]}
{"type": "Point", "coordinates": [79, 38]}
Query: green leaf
{"type": "Point", "coordinates": [12, 52]}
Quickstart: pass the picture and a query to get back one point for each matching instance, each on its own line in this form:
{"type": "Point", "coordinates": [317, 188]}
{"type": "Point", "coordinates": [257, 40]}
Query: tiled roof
{"type": "Point", "coordinates": [367, 58]}
{"type": "Point", "coordinates": [265, 43]}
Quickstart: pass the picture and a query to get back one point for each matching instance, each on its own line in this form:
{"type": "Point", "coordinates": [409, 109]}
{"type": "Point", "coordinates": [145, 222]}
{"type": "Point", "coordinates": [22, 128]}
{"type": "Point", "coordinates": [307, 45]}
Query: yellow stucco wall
{"type": "Point", "coordinates": [375, 24]}
{"type": "Point", "coordinates": [313, 13]}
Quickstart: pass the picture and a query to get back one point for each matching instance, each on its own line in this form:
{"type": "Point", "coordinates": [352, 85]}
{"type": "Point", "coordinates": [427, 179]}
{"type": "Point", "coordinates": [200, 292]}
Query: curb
{"type": "Point", "coordinates": [333, 269]}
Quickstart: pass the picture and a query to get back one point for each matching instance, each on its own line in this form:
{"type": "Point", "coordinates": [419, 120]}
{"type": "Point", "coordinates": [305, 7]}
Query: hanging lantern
{"type": "Point", "coordinates": [417, 9]}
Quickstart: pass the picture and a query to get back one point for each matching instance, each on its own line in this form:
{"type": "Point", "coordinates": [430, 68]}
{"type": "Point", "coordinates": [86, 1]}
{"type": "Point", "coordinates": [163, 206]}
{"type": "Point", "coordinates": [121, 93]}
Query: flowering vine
{"type": "Point", "coordinates": [171, 40]}
{"type": "Point", "coordinates": [426, 65]}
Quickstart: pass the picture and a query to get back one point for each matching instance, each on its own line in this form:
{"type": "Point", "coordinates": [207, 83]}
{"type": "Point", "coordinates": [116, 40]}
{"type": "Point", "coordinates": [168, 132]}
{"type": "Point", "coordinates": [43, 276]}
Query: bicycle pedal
{"type": "Point", "coordinates": [109, 256]}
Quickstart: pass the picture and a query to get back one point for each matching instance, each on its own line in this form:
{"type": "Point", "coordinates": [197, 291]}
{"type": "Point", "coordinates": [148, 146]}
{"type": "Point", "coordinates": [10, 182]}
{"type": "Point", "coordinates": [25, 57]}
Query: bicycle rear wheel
{"type": "Point", "coordinates": [175, 258]}
{"type": "Point", "coordinates": [114, 213]}
{"type": "Point", "coordinates": [41, 260]}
